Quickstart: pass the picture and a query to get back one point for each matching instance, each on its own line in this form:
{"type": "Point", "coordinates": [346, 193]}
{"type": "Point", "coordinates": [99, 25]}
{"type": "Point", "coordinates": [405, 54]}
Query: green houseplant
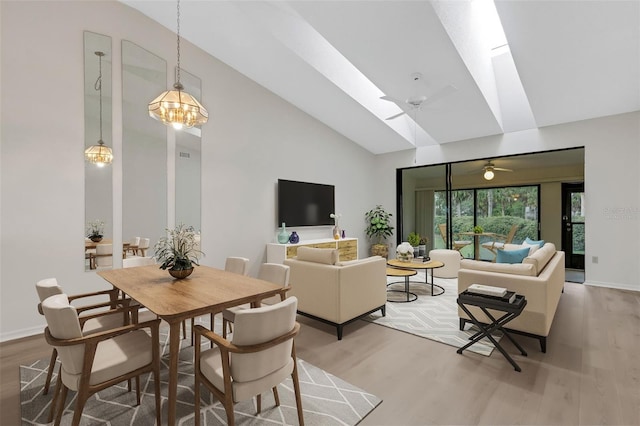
{"type": "Point", "coordinates": [178, 251]}
{"type": "Point", "coordinates": [378, 230]}
{"type": "Point", "coordinates": [414, 239]}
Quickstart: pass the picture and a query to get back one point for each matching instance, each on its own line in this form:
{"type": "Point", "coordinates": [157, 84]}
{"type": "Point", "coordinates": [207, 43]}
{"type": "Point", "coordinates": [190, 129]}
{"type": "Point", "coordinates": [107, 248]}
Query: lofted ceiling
{"type": "Point", "coordinates": [564, 61]}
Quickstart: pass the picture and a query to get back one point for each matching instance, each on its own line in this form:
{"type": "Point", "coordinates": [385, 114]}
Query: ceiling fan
{"type": "Point", "coordinates": [415, 103]}
{"type": "Point", "coordinates": [490, 168]}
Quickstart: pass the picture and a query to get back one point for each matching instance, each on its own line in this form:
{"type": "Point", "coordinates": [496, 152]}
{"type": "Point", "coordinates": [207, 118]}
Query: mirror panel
{"type": "Point", "coordinates": [188, 163]}
{"type": "Point", "coordinates": [98, 180]}
{"type": "Point", "coordinates": [144, 147]}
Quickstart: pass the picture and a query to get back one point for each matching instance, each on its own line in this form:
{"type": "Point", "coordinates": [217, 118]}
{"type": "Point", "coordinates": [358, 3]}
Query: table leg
{"type": "Point", "coordinates": [174, 350]}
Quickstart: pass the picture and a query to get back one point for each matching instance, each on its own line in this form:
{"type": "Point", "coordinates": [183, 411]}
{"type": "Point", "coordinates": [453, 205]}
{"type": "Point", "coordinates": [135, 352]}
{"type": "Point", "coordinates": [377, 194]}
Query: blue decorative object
{"type": "Point", "coordinates": [283, 236]}
{"type": "Point", "coordinates": [294, 238]}
{"type": "Point", "coordinates": [531, 242]}
{"type": "Point", "coordinates": [512, 256]}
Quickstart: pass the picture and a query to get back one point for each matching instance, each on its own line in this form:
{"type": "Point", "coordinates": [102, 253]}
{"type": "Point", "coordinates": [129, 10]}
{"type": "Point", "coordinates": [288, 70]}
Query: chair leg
{"type": "Point", "coordinates": [258, 403]}
{"type": "Point", "coordinates": [81, 400]}
{"type": "Point", "coordinates": [224, 327]}
{"type": "Point", "coordinates": [211, 321]}
{"type": "Point", "coordinates": [56, 396]}
{"type": "Point", "coordinates": [61, 400]}
{"type": "Point", "coordinates": [296, 386]}
{"type": "Point", "coordinates": [228, 408]}
{"type": "Point", "coordinates": [52, 365]}
{"type": "Point", "coordinates": [137, 390]}
{"type": "Point", "coordinates": [276, 396]}
{"type": "Point", "coordinates": [184, 328]}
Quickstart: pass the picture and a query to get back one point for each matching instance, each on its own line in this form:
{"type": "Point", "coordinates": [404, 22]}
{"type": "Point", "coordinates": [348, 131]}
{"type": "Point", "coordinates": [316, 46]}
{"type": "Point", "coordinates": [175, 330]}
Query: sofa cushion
{"type": "Point", "coordinates": [357, 261]}
{"type": "Point", "coordinates": [541, 257]}
{"type": "Point", "coordinates": [512, 256]}
{"type": "Point", "coordinates": [318, 255]}
{"type": "Point", "coordinates": [505, 268]}
{"type": "Point", "coordinates": [529, 241]}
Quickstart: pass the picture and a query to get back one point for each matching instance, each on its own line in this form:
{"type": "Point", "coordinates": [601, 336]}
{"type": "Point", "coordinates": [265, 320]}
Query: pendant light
{"type": "Point", "coordinates": [100, 154]}
{"type": "Point", "coordinates": [177, 107]}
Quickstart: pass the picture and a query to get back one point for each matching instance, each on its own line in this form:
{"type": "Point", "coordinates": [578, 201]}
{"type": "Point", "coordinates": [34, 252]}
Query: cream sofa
{"type": "Point", "coordinates": [335, 292]}
{"type": "Point", "coordinates": [540, 278]}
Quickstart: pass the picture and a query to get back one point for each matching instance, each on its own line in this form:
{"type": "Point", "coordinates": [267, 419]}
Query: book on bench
{"type": "Point", "coordinates": [487, 290]}
{"type": "Point", "coordinates": [509, 296]}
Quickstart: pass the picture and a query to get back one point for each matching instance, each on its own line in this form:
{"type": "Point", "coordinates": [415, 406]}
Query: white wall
{"type": "Point", "coordinates": [253, 138]}
{"type": "Point", "coordinates": [612, 154]}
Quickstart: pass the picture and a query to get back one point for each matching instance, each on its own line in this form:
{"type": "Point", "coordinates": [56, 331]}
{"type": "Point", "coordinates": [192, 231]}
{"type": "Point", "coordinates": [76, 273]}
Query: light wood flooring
{"type": "Point", "coordinates": [590, 374]}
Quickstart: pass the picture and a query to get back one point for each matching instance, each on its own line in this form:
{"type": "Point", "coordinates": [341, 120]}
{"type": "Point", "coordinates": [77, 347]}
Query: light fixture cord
{"type": "Point", "coordinates": [178, 43]}
{"type": "Point", "coordinates": [98, 86]}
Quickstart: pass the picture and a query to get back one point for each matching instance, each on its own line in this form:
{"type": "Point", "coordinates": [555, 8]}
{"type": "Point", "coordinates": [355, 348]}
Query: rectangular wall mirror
{"type": "Point", "coordinates": [144, 151]}
{"type": "Point", "coordinates": [188, 163]}
{"type": "Point", "coordinates": [97, 126]}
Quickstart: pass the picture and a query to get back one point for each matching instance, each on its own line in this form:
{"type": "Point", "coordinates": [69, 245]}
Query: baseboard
{"type": "Point", "coordinates": [617, 286]}
{"type": "Point", "coordinates": [19, 334]}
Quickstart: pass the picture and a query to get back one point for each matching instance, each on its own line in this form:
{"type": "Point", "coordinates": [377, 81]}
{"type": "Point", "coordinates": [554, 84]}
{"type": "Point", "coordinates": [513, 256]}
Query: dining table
{"type": "Point", "coordinates": [207, 290]}
{"type": "Point", "coordinates": [476, 240]}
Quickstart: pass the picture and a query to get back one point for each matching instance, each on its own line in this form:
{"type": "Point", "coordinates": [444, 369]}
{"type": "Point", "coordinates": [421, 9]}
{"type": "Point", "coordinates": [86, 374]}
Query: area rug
{"type": "Point", "coordinates": [431, 317]}
{"type": "Point", "coordinates": [326, 399]}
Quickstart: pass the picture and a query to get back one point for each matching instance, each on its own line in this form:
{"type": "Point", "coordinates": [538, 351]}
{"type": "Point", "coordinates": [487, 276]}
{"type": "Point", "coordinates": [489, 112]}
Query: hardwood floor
{"type": "Point", "coordinates": [589, 375]}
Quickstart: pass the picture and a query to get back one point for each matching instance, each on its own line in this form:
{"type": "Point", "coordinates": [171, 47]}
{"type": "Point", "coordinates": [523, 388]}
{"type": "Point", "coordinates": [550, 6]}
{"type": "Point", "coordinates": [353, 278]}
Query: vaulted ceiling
{"type": "Point", "coordinates": [563, 61]}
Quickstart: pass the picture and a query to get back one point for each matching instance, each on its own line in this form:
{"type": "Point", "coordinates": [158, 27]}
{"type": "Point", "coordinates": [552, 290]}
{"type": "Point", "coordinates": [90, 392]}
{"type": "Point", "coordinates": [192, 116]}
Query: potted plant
{"type": "Point", "coordinates": [378, 229]}
{"type": "Point", "coordinates": [422, 246]}
{"type": "Point", "coordinates": [178, 251]}
{"type": "Point", "coordinates": [95, 230]}
{"type": "Point", "coordinates": [414, 239]}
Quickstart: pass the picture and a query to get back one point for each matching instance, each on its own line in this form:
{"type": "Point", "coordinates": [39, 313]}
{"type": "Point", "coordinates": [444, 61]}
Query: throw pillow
{"type": "Point", "coordinates": [532, 247]}
{"type": "Point", "coordinates": [318, 255]}
{"type": "Point", "coordinates": [529, 241]}
{"type": "Point", "coordinates": [512, 256]}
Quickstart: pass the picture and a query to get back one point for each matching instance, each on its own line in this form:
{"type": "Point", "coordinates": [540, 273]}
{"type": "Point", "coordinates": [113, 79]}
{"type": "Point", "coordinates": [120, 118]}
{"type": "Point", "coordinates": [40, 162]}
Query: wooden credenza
{"type": "Point", "coordinates": [347, 247]}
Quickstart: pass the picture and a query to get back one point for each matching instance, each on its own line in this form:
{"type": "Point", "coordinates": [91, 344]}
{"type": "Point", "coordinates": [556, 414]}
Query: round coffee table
{"type": "Point", "coordinates": [432, 264]}
{"type": "Point", "coordinates": [406, 273]}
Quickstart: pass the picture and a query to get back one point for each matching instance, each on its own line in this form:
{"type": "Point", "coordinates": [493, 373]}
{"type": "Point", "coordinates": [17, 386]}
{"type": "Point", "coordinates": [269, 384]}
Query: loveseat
{"type": "Point", "coordinates": [335, 292]}
{"type": "Point", "coordinates": [540, 278]}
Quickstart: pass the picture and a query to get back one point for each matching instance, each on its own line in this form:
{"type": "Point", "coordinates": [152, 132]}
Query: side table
{"type": "Point", "coordinates": [432, 264]}
{"type": "Point", "coordinates": [511, 310]}
{"type": "Point", "coordinates": [406, 273]}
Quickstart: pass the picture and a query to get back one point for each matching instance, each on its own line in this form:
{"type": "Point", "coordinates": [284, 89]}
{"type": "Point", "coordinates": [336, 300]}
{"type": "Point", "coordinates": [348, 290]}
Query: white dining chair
{"type": "Point", "coordinates": [276, 273]}
{"type": "Point", "coordinates": [104, 256]}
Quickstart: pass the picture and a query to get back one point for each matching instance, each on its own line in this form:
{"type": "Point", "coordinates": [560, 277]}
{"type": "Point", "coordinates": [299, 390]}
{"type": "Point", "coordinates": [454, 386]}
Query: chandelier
{"type": "Point", "coordinates": [177, 107]}
{"type": "Point", "coordinates": [99, 154]}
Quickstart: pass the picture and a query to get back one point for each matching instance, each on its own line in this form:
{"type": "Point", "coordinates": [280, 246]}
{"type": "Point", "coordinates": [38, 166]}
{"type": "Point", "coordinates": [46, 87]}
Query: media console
{"type": "Point", "coordinates": [347, 247]}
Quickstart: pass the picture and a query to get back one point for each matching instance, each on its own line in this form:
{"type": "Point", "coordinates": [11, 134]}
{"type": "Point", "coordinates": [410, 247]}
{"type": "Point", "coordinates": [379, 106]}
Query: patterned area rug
{"type": "Point", "coordinates": [431, 317]}
{"type": "Point", "coordinates": [326, 399]}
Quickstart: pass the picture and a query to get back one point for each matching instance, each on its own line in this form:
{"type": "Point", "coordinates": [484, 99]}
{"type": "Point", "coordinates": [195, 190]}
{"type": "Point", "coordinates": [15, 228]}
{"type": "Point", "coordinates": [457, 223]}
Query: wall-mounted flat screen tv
{"type": "Point", "coordinates": [305, 204]}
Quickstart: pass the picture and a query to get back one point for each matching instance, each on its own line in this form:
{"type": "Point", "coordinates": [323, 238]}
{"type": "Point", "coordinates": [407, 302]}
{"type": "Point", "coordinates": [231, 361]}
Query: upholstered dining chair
{"type": "Point", "coordinates": [260, 356]}
{"type": "Point", "coordinates": [276, 273]}
{"type": "Point", "coordinates": [133, 245]}
{"type": "Point", "coordinates": [90, 363]}
{"type": "Point", "coordinates": [104, 255]}
{"type": "Point", "coordinates": [143, 246]}
{"type": "Point", "coordinates": [49, 287]}
{"type": "Point", "coordinates": [237, 265]}
{"type": "Point", "coordinates": [500, 240]}
{"type": "Point", "coordinates": [456, 244]}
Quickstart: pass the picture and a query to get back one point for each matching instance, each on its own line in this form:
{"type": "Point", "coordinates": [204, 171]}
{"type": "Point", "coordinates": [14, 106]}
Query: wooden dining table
{"type": "Point", "coordinates": [207, 290]}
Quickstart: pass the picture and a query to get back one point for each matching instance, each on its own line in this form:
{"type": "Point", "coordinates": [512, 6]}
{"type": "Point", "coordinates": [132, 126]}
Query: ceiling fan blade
{"type": "Point", "coordinates": [442, 93]}
{"type": "Point", "coordinates": [394, 100]}
{"type": "Point", "coordinates": [395, 116]}
{"type": "Point", "coordinates": [500, 169]}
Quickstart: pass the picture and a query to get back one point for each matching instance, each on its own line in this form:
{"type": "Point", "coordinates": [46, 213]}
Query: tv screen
{"type": "Point", "coordinates": [305, 204]}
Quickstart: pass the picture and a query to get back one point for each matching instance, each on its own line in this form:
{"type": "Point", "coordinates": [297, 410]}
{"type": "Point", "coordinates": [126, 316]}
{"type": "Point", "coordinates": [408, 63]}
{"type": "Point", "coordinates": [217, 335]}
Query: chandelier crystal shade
{"type": "Point", "coordinates": [99, 154]}
{"type": "Point", "coordinates": [176, 107]}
